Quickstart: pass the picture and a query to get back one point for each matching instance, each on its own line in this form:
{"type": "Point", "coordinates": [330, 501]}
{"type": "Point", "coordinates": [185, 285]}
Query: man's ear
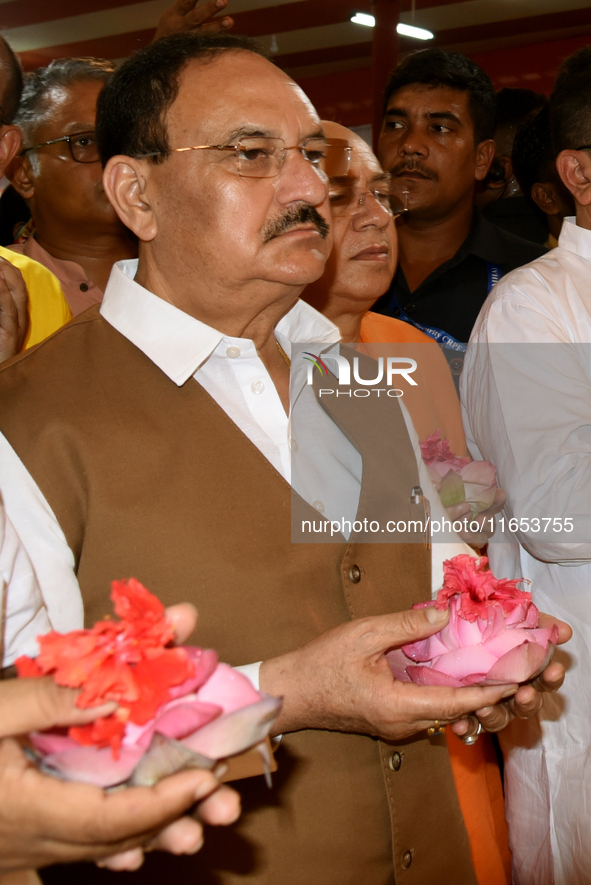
{"type": "Point", "coordinates": [574, 168]}
{"type": "Point", "coordinates": [125, 183]}
{"type": "Point", "coordinates": [546, 198]}
{"type": "Point", "coordinates": [20, 176]}
{"type": "Point", "coordinates": [10, 143]}
{"type": "Point", "coordinates": [485, 154]}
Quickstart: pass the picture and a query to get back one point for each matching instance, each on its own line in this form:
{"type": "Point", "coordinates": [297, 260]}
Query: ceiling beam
{"type": "Point", "coordinates": [16, 13]}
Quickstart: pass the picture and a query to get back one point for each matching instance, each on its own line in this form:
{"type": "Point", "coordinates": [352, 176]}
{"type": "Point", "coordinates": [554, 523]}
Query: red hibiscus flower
{"type": "Point", "coordinates": [126, 661]}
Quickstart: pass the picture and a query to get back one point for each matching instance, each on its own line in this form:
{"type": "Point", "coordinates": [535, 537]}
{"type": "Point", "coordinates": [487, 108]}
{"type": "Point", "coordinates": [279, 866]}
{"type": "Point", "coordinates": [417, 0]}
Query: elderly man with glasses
{"type": "Point", "coordinates": [153, 437]}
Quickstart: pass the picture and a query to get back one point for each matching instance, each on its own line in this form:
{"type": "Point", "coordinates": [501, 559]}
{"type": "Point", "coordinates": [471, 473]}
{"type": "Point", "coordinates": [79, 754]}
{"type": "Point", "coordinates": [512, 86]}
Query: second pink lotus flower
{"type": "Point", "coordinates": [459, 479]}
{"type": "Point", "coordinates": [492, 636]}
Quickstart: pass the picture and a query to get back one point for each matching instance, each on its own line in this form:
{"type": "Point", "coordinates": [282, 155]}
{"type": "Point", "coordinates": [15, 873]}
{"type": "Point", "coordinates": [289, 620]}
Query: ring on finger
{"type": "Point", "coordinates": [436, 729]}
{"type": "Point", "coordinates": [470, 739]}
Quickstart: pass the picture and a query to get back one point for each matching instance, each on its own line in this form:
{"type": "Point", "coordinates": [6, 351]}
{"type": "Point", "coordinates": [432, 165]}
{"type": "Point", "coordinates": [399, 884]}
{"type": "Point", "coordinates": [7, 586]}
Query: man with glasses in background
{"type": "Point", "coordinates": [74, 230]}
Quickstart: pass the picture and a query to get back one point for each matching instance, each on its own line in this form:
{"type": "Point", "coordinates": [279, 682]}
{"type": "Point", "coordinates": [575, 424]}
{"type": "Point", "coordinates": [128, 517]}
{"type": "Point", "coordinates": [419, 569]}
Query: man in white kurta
{"type": "Point", "coordinates": [527, 405]}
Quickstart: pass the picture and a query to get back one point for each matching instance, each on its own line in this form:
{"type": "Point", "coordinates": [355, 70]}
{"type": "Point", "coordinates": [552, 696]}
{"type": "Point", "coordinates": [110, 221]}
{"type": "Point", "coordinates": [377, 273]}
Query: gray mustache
{"type": "Point", "coordinates": [292, 218]}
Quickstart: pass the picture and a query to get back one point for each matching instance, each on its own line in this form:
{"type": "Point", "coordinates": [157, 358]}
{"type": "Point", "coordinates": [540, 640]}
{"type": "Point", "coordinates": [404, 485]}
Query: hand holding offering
{"type": "Point", "coordinates": [177, 707]}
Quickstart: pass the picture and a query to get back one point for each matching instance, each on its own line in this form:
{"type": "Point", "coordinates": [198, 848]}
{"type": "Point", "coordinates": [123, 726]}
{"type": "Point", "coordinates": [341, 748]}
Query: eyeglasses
{"type": "Point", "coordinates": [346, 200]}
{"type": "Point", "coordinates": [584, 147]}
{"type": "Point", "coordinates": [263, 157]}
{"type": "Point", "coordinates": [83, 146]}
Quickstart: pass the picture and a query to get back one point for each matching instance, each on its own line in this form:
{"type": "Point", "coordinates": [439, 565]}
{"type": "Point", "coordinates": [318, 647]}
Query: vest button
{"type": "Point", "coordinates": [84, 287]}
{"type": "Point", "coordinates": [406, 860]}
{"type": "Point", "coordinates": [355, 574]}
{"type": "Point", "coordinates": [395, 761]}
{"type": "Point", "coordinates": [410, 307]}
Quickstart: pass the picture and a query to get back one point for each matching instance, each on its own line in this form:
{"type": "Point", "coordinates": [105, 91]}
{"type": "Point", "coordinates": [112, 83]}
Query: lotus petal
{"type": "Point", "coordinates": [529, 614]}
{"type": "Point", "coordinates": [463, 632]}
{"type": "Point", "coordinates": [163, 757]}
{"type": "Point", "coordinates": [452, 490]}
{"type": "Point", "coordinates": [495, 623]}
{"type": "Point", "coordinates": [480, 500]}
{"type": "Point", "coordinates": [439, 469]}
{"type": "Point", "coordinates": [49, 742]}
{"type": "Point", "coordinates": [229, 689]}
{"type": "Point", "coordinates": [180, 719]}
{"type": "Point", "coordinates": [518, 665]}
{"type": "Point", "coordinates": [235, 732]}
{"type": "Point", "coordinates": [508, 639]}
{"type": "Point", "coordinates": [426, 649]}
{"type": "Point", "coordinates": [481, 473]}
{"type": "Point", "coordinates": [430, 676]}
{"type": "Point", "coordinates": [398, 662]}
{"type": "Point", "coordinates": [265, 753]}
{"type": "Point", "coordinates": [462, 662]}
{"type": "Point", "coordinates": [545, 635]}
{"type": "Point", "coordinates": [93, 766]}
{"type": "Point", "coordinates": [205, 661]}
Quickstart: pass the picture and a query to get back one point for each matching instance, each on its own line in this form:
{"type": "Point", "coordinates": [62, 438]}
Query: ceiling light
{"type": "Point", "coordinates": [361, 18]}
{"type": "Point", "coordinates": [411, 31]}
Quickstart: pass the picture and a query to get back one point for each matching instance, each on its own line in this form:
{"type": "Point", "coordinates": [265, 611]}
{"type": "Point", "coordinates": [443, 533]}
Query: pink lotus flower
{"type": "Point", "coordinates": [458, 479]}
{"type": "Point", "coordinates": [492, 636]}
{"type": "Point", "coordinates": [178, 707]}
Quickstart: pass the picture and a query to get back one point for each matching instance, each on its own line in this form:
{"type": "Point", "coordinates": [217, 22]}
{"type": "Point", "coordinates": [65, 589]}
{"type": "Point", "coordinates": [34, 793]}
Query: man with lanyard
{"type": "Point", "coordinates": [436, 141]}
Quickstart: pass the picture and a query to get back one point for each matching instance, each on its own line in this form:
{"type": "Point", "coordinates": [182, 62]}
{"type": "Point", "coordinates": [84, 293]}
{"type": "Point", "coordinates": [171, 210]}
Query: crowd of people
{"type": "Point", "coordinates": [184, 226]}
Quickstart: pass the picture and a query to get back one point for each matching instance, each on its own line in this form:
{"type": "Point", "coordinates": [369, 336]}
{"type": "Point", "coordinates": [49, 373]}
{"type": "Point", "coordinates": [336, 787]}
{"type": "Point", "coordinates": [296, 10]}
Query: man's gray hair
{"type": "Point", "coordinates": [35, 104]}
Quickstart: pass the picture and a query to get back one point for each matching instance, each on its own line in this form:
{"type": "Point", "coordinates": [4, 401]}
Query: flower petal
{"type": "Point", "coordinates": [429, 676]}
{"type": "Point", "coordinates": [237, 731]}
{"type": "Point", "coordinates": [93, 766]}
{"type": "Point", "coordinates": [49, 742]}
{"type": "Point", "coordinates": [164, 757]}
{"type": "Point", "coordinates": [204, 661]}
{"type": "Point", "coordinates": [463, 661]}
{"type": "Point", "coordinates": [229, 689]}
{"type": "Point", "coordinates": [452, 489]}
{"type": "Point", "coordinates": [483, 473]}
{"type": "Point", "coordinates": [398, 662]}
{"type": "Point", "coordinates": [518, 665]}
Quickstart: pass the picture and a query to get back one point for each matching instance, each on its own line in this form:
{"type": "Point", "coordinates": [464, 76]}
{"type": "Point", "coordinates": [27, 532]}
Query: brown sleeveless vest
{"type": "Point", "coordinates": [155, 481]}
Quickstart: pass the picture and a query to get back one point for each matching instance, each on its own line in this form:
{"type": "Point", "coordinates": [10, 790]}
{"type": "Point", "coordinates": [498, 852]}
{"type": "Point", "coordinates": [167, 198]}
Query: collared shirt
{"type": "Point", "coordinates": [450, 298]}
{"type": "Point", "coordinates": [22, 609]}
{"type": "Point", "coordinates": [526, 391]}
{"type": "Point", "coordinates": [230, 369]}
{"type": "Point", "coordinates": [235, 376]}
{"type": "Point", "coordinates": [80, 292]}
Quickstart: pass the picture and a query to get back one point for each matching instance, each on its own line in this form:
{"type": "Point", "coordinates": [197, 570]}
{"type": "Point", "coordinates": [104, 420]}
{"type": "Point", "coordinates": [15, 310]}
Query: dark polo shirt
{"type": "Point", "coordinates": [451, 297]}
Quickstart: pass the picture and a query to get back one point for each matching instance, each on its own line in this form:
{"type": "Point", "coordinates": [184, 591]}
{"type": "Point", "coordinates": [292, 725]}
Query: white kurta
{"type": "Point", "coordinates": [528, 410]}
